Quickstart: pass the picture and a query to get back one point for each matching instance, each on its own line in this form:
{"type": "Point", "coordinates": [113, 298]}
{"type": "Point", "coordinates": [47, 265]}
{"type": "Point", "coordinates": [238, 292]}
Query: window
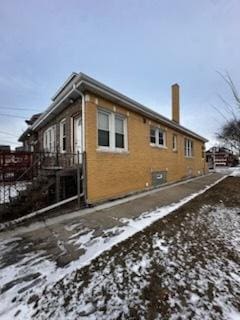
{"type": "Point", "coordinates": [49, 139]}
{"type": "Point", "coordinates": [103, 129]}
{"type": "Point", "coordinates": [188, 148]}
{"type": "Point", "coordinates": [63, 136]}
{"type": "Point", "coordinates": [119, 132]}
{"type": "Point", "coordinates": [203, 152]}
{"type": "Point", "coordinates": [112, 131]}
{"type": "Point", "coordinates": [174, 142]}
{"type": "Point", "coordinates": [157, 137]}
{"type": "Point", "coordinates": [153, 136]}
{"type": "Point", "coordinates": [161, 137]}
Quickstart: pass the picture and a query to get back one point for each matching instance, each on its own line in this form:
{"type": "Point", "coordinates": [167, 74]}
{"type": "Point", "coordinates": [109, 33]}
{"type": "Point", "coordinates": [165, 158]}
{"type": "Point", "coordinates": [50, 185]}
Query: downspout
{"type": "Point", "coordinates": [83, 142]}
{"type": "Point", "coordinates": [83, 117]}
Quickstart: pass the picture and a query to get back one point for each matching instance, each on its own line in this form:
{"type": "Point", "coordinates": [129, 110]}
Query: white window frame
{"type": "Point", "coordinates": [110, 129]}
{"type": "Point", "coordinates": [112, 138]}
{"type": "Point", "coordinates": [188, 148]}
{"type": "Point", "coordinates": [49, 139]}
{"type": "Point", "coordinates": [63, 122]}
{"type": "Point", "coordinates": [156, 144]}
{"type": "Point", "coordinates": [174, 142]}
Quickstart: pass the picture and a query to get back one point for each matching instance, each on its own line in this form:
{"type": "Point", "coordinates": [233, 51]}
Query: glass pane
{"type": "Point", "coordinates": [152, 139]}
{"type": "Point", "coordinates": [152, 136]}
{"type": "Point", "coordinates": [119, 125]}
{"type": "Point", "coordinates": [119, 140]}
{"type": "Point", "coordinates": [152, 132]}
{"type": "Point", "coordinates": [103, 121]}
{"type": "Point", "coordinates": [174, 142]}
{"type": "Point", "coordinates": [46, 140]}
{"type": "Point", "coordinates": [64, 128]}
{"type": "Point", "coordinates": [103, 138]}
{"type": "Point", "coordinates": [161, 138]}
{"type": "Point", "coordinates": [64, 144]}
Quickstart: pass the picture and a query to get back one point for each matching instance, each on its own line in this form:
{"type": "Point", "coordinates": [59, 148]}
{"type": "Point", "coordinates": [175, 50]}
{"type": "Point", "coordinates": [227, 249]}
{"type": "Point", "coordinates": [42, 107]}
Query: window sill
{"type": "Point", "coordinates": [116, 151]}
{"type": "Point", "coordinates": [189, 157]}
{"type": "Point", "coordinates": [158, 146]}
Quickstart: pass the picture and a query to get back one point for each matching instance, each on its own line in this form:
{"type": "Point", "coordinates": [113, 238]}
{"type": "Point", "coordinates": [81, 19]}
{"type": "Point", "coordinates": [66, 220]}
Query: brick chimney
{"type": "Point", "coordinates": [175, 103]}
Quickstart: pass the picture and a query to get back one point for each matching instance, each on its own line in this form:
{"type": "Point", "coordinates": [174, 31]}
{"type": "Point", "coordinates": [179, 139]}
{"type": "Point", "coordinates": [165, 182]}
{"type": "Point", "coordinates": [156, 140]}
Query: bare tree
{"type": "Point", "coordinates": [229, 133]}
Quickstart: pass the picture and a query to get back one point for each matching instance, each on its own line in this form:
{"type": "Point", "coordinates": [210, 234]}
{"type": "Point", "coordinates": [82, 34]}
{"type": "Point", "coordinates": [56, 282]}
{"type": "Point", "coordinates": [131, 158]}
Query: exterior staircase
{"type": "Point", "coordinates": [48, 185]}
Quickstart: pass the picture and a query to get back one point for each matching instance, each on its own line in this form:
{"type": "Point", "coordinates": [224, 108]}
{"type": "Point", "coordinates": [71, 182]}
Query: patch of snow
{"type": "Point", "coordinates": [233, 315]}
{"type": "Point", "coordinates": [93, 248]}
{"type": "Point", "coordinates": [160, 244]}
{"type": "Point", "coordinates": [235, 172]}
{"type": "Point", "coordinates": [209, 286]}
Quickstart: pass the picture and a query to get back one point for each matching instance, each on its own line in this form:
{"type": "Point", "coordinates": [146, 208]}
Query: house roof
{"type": "Point", "coordinates": [33, 118]}
{"type": "Point", "coordinates": [4, 147]}
{"type": "Point", "coordinates": [84, 83]}
{"type": "Point", "coordinates": [219, 150]}
{"type": "Point", "coordinates": [30, 122]}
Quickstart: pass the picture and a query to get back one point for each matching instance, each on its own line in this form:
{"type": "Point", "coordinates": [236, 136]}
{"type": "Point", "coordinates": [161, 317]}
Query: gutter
{"type": "Point", "coordinates": [46, 114]}
{"type": "Point", "coordinates": [143, 110]}
{"type": "Point", "coordinates": [101, 88]}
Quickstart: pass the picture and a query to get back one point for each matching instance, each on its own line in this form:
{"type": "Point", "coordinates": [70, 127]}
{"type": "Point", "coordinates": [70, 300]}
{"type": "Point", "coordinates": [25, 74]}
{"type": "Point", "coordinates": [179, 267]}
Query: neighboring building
{"type": "Point", "coordinates": [4, 147]}
{"type": "Point", "coordinates": [28, 137]}
{"type": "Point", "coordinates": [220, 157]}
{"type": "Point", "coordinates": [126, 146]}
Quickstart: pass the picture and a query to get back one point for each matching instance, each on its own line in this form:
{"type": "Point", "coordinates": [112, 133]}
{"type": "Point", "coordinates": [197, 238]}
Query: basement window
{"type": "Point", "coordinates": [112, 131]}
{"type": "Point", "coordinates": [157, 137]}
{"type": "Point", "coordinates": [188, 147]}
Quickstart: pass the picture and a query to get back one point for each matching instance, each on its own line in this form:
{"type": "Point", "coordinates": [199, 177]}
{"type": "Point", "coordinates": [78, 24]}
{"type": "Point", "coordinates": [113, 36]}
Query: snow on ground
{"type": "Point", "coordinates": [235, 172]}
{"type": "Point", "coordinates": [11, 190]}
{"type": "Point", "coordinates": [159, 275]}
{"type": "Point", "coordinates": [36, 269]}
{"type": "Point", "coordinates": [231, 171]}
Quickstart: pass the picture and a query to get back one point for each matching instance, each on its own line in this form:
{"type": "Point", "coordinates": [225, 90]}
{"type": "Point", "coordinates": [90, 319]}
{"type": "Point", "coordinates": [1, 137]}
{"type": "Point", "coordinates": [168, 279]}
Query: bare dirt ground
{"type": "Point", "coordinates": [184, 266]}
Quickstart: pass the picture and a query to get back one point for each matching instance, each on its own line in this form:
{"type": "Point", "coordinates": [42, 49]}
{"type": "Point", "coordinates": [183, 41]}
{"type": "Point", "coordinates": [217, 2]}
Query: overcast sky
{"type": "Point", "coordinates": [137, 47]}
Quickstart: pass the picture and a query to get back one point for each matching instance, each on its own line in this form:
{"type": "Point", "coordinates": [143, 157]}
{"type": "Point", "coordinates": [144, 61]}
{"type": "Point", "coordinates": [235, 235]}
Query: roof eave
{"type": "Point", "coordinates": [86, 83]}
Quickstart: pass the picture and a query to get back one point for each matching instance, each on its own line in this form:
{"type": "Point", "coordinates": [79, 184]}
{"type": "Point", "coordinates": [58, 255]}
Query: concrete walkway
{"type": "Point", "coordinates": [38, 254]}
{"type": "Point", "coordinates": [110, 214]}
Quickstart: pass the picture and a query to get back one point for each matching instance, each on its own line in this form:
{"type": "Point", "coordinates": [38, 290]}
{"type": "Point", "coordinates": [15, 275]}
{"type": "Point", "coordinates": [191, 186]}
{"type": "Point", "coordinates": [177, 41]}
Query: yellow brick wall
{"type": "Point", "coordinates": [112, 174]}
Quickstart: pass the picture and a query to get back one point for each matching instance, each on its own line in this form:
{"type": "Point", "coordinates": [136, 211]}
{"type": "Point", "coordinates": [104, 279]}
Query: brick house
{"type": "Point", "coordinates": [220, 157]}
{"type": "Point", "coordinates": [126, 146]}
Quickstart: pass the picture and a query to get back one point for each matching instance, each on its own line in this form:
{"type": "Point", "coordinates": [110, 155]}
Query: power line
{"type": "Point", "coordinates": [13, 108]}
{"type": "Point", "coordinates": [9, 141]}
{"type": "Point", "coordinates": [7, 133]}
{"type": "Point", "coordinates": [11, 116]}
